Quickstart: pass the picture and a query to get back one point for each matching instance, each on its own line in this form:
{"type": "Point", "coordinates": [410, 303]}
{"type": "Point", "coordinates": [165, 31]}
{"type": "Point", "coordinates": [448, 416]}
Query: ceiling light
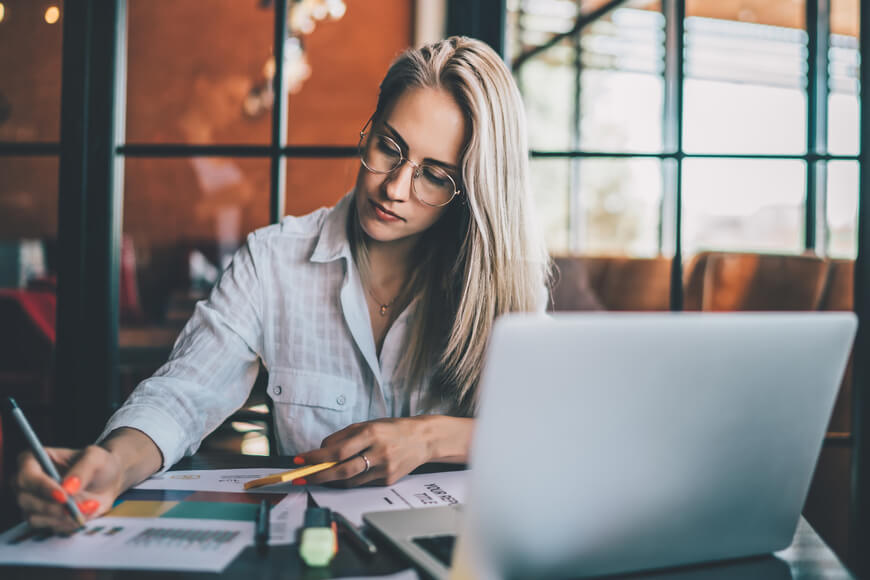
{"type": "Point", "coordinates": [52, 14]}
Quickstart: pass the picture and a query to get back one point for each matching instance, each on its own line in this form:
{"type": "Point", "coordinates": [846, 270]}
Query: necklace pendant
{"type": "Point", "coordinates": [384, 309]}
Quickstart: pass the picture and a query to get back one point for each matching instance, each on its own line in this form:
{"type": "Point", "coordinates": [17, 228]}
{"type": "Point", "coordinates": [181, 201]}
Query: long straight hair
{"type": "Point", "coordinates": [484, 256]}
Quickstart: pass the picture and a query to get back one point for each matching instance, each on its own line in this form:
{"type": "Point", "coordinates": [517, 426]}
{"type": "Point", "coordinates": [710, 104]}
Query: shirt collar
{"type": "Point", "coordinates": [333, 243]}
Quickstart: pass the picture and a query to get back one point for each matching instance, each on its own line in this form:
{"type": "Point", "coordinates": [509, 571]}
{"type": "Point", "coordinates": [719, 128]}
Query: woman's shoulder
{"type": "Point", "coordinates": [294, 238]}
{"type": "Point", "coordinates": [291, 226]}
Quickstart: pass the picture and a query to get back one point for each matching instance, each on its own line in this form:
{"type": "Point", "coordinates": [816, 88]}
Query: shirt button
{"type": "Point", "coordinates": [341, 400]}
{"type": "Point", "coordinates": [276, 389]}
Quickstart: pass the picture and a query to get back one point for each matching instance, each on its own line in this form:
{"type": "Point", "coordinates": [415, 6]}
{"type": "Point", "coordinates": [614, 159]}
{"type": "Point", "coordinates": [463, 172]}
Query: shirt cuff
{"type": "Point", "coordinates": [163, 430]}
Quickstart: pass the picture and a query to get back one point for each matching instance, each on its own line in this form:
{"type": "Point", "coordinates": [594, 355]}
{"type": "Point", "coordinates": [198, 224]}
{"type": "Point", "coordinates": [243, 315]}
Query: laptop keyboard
{"type": "Point", "coordinates": [440, 547]}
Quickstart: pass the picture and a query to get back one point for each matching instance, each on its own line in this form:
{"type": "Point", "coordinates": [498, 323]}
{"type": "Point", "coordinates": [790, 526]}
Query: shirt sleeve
{"type": "Point", "coordinates": [211, 370]}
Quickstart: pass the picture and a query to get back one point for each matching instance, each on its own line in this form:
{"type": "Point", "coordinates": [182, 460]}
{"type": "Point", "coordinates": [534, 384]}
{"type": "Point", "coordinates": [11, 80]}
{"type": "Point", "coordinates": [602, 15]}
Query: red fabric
{"type": "Point", "coordinates": [40, 307]}
{"type": "Point", "coordinates": [131, 308]}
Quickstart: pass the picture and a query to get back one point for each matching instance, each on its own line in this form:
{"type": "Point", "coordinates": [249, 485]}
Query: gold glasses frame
{"type": "Point", "coordinates": [418, 167]}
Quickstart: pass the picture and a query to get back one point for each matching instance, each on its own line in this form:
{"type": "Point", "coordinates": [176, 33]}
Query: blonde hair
{"type": "Point", "coordinates": [483, 257]}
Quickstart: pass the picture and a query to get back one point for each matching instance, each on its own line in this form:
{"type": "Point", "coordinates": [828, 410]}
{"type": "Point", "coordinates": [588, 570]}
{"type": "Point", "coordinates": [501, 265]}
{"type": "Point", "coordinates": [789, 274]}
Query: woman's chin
{"type": "Point", "coordinates": [381, 233]}
{"type": "Point", "coordinates": [376, 231]}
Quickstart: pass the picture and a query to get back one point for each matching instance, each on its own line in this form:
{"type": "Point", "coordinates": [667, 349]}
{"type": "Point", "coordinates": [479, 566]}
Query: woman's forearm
{"type": "Point", "coordinates": [449, 438]}
{"type": "Point", "coordinates": [137, 455]}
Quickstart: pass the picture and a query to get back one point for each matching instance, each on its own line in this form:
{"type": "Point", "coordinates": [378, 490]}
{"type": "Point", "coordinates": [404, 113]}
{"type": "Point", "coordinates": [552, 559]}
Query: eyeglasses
{"type": "Point", "coordinates": [431, 184]}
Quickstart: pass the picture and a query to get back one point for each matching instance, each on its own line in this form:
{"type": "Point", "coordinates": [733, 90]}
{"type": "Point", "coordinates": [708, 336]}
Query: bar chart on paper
{"type": "Point", "coordinates": [174, 521]}
{"type": "Point", "coordinates": [170, 503]}
{"type": "Point", "coordinates": [126, 543]}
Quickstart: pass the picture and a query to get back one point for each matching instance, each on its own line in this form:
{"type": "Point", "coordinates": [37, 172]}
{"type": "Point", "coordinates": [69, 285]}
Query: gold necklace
{"type": "Point", "coordinates": [383, 306]}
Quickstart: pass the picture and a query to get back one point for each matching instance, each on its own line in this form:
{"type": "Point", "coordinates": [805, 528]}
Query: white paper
{"type": "Point", "coordinates": [413, 491]}
{"type": "Point", "coordinates": [133, 543]}
{"type": "Point", "coordinates": [286, 518]}
{"type": "Point", "coordinates": [409, 574]}
{"type": "Point", "coordinates": [217, 480]}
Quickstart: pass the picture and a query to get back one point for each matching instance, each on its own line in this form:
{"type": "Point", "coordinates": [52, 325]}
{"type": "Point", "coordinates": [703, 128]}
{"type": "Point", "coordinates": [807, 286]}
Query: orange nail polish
{"type": "Point", "coordinates": [89, 506]}
{"type": "Point", "coordinates": [300, 481]}
{"type": "Point", "coordinates": [72, 484]}
{"type": "Point", "coordinates": [58, 495]}
{"type": "Point", "coordinates": [298, 460]}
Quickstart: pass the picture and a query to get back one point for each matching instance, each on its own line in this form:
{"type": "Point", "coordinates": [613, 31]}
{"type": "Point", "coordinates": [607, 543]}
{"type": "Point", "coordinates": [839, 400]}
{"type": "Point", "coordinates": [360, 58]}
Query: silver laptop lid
{"type": "Point", "coordinates": [616, 442]}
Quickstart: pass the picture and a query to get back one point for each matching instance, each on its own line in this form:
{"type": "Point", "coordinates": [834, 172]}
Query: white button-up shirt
{"type": "Point", "coordinates": [292, 296]}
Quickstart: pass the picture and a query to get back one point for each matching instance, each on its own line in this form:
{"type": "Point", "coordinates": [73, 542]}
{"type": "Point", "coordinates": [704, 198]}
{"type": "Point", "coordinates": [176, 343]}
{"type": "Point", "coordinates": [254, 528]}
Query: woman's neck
{"type": "Point", "coordinates": [389, 263]}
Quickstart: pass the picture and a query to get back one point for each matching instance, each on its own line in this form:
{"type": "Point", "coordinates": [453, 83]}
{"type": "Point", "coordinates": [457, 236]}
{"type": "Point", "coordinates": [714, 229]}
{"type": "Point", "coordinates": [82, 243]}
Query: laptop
{"type": "Point", "coordinates": [611, 443]}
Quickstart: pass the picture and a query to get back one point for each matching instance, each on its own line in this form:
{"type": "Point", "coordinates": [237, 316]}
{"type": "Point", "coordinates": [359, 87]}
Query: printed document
{"type": "Point", "coordinates": [131, 543]}
{"type": "Point", "coordinates": [178, 520]}
{"type": "Point", "coordinates": [412, 491]}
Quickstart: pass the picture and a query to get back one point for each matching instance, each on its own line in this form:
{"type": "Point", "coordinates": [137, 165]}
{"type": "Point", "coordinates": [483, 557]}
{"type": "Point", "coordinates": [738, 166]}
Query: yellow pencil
{"type": "Point", "coordinates": [288, 475]}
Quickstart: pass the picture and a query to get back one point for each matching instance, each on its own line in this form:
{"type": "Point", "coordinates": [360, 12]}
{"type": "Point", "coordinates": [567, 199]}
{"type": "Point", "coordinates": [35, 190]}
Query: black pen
{"type": "Point", "coordinates": [261, 535]}
{"type": "Point", "coordinates": [362, 542]}
{"type": "Point", "coordinates": [42, 457]}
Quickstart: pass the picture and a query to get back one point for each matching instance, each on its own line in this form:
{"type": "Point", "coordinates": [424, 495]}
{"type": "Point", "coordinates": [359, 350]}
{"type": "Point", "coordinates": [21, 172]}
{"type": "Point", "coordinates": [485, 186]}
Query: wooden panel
{"type": "Point", "coordinates": [348, 59]}
{"type": "Point", "coordinates": [30, 61]}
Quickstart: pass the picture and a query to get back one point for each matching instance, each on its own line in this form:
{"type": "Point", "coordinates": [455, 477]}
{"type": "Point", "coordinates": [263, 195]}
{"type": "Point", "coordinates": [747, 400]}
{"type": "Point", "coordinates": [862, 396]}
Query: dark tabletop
{"type": "Point", "coordinates": [807, 558]}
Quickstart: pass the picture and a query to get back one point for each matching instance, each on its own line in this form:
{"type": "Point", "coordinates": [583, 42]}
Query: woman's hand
{"type": "Point", "coordinates": [92, 476]}
{"type": "Point", "coordinates": [393, 448]}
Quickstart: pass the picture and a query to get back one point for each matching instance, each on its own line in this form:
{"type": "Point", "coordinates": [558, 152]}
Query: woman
{"type": "Point", "coordinates": [371, 317]}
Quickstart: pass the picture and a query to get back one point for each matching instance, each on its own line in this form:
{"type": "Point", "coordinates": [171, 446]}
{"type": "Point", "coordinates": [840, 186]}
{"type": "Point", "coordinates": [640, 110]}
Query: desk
{"type": "Point", "coordinates": [807, 558]}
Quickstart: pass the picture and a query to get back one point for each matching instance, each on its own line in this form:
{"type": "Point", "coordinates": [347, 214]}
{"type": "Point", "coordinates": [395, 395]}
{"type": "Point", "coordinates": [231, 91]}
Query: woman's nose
{"type": "Point", "coordinates": [398, 183]}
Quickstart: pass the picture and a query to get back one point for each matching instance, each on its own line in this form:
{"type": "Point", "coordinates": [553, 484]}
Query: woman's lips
{"type": "Point", "coordinates": [383, 213]}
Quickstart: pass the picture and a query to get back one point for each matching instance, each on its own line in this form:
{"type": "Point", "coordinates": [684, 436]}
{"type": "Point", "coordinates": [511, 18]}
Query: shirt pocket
{"type": "Point", "coordinates": [308, 407]}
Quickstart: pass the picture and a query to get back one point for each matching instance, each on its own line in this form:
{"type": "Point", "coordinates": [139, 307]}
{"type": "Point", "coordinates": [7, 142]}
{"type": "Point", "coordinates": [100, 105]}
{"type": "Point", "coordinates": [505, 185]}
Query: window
{"type": "Point", "coordinates": [200, 142]}
{"type": "Point", "coordinates": [604, 108]}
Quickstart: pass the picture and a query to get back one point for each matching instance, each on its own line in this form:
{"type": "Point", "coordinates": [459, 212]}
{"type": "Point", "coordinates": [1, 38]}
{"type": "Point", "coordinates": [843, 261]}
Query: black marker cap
{"type": "Point", "coordinates": [317, 517]}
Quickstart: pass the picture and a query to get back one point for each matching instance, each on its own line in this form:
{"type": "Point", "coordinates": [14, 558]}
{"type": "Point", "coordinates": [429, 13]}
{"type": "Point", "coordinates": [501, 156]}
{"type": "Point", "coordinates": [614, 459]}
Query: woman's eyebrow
{"type": "Point", "coordinates": [404, 145]}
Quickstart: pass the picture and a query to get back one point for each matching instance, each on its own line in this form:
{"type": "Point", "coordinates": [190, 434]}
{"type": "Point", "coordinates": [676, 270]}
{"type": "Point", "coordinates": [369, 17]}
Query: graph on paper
{"type": "Point", "coordinates": [124, 543]}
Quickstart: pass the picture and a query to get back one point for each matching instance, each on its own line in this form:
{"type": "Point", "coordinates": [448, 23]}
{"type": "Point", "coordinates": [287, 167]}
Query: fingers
{"type": "Point", "coordinates": [49, 514]}
{"type": "Point", "coordinates": [42, 500]}
{"type": "Point", "coordinates": [31, 504]}
{"type": "Point", "coordinates": [342, 445]}
{"type": "Point", "coordinates": [89, 472]}
{"type": "Point", "coordinates": [386, 444]}
{"type": "Point", "coordinates": [353, 467]}
{"type": "Point", "coordinates": [66, 526]}
{"type": "Point", "coordinates": [33, 480]}
{"type": "Point", "coordinates": [62, 457]}
{"type": "Point", "coordinates": [86, 469]}
{"type": "Point", "coordinates": [374, 475]}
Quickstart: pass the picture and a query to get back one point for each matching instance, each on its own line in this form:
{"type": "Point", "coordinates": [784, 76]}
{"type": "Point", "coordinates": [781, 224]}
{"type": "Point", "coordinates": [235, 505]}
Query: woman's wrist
{"type": "Point", "coordinates": [137, 456]}
{"type": "Point", "coordinates": [447, 439]}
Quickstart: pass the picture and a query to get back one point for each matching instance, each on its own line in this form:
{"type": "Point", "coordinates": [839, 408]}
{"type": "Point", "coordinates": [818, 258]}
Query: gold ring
{"type": "Point", "coordinates": [366, 459]}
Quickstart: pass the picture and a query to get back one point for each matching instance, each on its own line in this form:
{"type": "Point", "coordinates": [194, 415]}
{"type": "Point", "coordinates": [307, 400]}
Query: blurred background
{"type": "Point", "coordinates": [686, 154]}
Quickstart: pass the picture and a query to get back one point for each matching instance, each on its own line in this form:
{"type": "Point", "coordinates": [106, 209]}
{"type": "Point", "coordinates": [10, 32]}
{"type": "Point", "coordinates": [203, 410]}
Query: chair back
{"type": "Point", "coordinates": [726, 281]}
{"type": "Point", "coordinates": [611, 283]}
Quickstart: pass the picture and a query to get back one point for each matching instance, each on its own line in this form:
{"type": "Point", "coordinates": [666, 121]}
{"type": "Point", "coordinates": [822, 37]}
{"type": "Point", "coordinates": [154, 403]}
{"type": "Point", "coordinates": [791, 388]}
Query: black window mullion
{"type": "Point", "coordinates": [263, 151]}
{"type": "Point", "coordinates": [89, 222]}
{"type": "Point", "coordinates": [33, 148]}
{"type": "Point", "coordinates": [575, 207]}
{"type": "Point", "coordinates": [278, 167]}
{"type": "Point", "coordinates": [481, 19]}
{"type": "Point", "coordinates": [675, 29]}
{"type": "Point", "coordinates": [818, 35]}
